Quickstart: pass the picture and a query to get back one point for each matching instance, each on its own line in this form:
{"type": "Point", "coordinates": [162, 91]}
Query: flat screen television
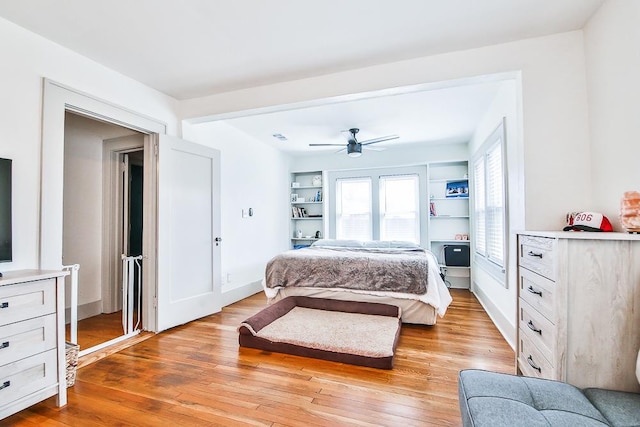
{"type": "Point", "coordinates": [5, 211]}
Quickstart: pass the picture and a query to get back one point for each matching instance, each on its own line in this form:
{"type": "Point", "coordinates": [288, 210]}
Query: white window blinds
{"type": "Point", "coordinates": [400, 208]}
{"type": "Point", "coordinates": [495, 205]}
{"type": "Point", "coordinates": [489, 199]}
{"type": "Point", "coordinates": [479, 207]}
{"type": "Point", "coordinates": [353, 208]}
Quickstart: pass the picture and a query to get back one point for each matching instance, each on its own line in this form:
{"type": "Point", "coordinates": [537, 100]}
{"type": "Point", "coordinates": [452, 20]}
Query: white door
{"type": "Point", "coordinates": [188, 232]}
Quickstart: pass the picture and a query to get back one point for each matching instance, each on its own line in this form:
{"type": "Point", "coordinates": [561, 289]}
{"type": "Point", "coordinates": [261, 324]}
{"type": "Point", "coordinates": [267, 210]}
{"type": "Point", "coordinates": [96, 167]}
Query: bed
{"type": "Point", "coordinates": [398, 273]}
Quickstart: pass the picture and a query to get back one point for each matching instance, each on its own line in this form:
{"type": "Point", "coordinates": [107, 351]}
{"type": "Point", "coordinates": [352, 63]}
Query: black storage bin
{"type": "Point", "coordinates": [457, 255]}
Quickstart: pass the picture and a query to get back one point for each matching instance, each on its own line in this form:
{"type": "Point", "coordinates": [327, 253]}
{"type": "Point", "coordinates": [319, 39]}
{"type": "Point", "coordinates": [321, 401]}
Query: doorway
{"type": "Point", "coordinates": [100, 157]}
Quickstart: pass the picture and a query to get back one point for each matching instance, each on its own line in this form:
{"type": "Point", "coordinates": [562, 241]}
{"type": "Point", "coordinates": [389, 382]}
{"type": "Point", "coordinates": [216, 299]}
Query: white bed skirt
{"type": "Point", "coordinates": [413, 311]}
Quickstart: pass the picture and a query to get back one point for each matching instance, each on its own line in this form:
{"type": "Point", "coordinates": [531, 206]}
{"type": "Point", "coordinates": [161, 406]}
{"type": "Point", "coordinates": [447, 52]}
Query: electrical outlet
{"type": "Point", "coordinates": [228, 277]}
{"type": "Point", "coordinates": [245, 213]}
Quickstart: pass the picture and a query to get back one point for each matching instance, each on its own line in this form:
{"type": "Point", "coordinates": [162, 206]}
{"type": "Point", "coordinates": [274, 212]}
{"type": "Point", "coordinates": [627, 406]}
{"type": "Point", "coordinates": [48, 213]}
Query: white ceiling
{"type": "Point", "coordinates": [194, 48]}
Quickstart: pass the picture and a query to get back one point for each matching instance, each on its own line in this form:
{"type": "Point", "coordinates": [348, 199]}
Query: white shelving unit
{"type": "Point", "coordinates": [307, 212]}
{"type": "Point", "coordinates": [448, 222]}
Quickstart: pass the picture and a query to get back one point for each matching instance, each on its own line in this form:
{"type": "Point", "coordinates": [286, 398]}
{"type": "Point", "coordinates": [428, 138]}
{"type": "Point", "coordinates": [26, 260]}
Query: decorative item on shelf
{"type": "Point", "coordinates": [316, 181]}
{"type": "Point", "coordinates": [458, 236]}
{"type": "Point", "coordinates": [295, 184]}
{"type": "Point", "coordinates": [318, 196]}
{"type": "Point", "coordinates": [465, 237]}
{"type": "Point", "coordinates": [589, 221]}
{"type": "Point", "coordinates": [299, 234]}
{"type": "Point", "coordinates": [630, 211]}
{"type": "Point", "coordinates": [457, 189]}
{"type": "Point", "coordinates": [432, 208]}
{"type": "Point", "coordinates": [300, 199]}
{"type": "Point", "coordinates": [294, 197]}
{"type": "Point", "coordinates": [318, 235]}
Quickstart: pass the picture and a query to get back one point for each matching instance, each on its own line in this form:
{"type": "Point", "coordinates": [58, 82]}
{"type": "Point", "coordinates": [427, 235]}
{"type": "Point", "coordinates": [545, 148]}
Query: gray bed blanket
{"type": "Point", "coordinates": [396, 270]}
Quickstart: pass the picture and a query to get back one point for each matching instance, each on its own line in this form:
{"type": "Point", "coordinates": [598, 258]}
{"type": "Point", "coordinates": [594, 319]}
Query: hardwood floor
{"type": "Point", "coordinates": [196, 375]}
{"type": "Point", "coordinates": [98, 329]}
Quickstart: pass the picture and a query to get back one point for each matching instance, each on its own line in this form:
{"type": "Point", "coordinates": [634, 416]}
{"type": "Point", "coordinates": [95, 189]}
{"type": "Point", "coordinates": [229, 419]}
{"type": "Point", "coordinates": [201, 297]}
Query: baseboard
{"type": "Point", "coordinates": [86, 310]}
{"type": "Point", "coordinates": [241, 292]}
{"type": "Point", "coordinates": [502, 323]}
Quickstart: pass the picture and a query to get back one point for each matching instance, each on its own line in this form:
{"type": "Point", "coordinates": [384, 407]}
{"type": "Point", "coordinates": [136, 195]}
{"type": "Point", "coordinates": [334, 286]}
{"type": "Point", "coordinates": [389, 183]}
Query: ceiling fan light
{"type": "Point", "coordinates": [354, 149]}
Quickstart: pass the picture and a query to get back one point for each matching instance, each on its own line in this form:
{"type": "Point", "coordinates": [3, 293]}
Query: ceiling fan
{"type": "Point", "coordinates": [354, 147]}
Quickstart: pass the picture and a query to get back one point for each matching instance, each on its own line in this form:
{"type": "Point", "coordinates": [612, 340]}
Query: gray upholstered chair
{"type": "Point", "coordinates": [493, 399]}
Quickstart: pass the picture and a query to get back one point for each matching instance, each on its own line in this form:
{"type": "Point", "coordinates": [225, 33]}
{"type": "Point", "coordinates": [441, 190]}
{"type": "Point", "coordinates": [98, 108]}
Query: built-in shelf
{"type": "Point", "coordinates": [452, 215]}
{"type": "Point", "coordinates": [312, 222]}
{"type": "Point", "coordinates": [307, 187]}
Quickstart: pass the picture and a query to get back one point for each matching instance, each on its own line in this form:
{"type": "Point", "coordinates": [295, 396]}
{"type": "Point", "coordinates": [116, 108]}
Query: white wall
{"type": "Point", "coordinates": [500, 301]}
{"type": "Point", "coordinates": [253, 175]}
{"type": "Point", "coordinates": [26, 59]}
{"type": "Point", "coordinates": [612, 40]}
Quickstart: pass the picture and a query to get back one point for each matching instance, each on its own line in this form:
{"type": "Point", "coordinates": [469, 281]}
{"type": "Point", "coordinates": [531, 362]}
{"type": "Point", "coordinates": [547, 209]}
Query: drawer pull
{"type": "Point", "coordinates": [4, 345]}
{"type": "Point", "coordinates": [533, 291]}
{"type": "Point", "coordinates": [4, 305]}
{"type": "Point", "coordinates": [533, 365]}
{"type": "Point", "coordinates": [533, 328]}
{"type": "Point", "coordinates": [5, 384]}
{"type": "Point", "coordinates": [533, 254]}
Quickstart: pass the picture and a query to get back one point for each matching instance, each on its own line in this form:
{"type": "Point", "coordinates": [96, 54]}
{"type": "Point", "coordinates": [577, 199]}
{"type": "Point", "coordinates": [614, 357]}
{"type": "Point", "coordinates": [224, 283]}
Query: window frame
{"type": "Point", "coordinates": [483, 258]}
{"type": "Point", "coordinates": [375, 174]}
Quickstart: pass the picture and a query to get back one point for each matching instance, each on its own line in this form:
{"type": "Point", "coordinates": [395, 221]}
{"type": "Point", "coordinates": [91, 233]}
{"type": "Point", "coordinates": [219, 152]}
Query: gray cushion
{"type": "Point", "coordinates": [620, 408]}
{"type": "Point", "coordinates": [495, 399]}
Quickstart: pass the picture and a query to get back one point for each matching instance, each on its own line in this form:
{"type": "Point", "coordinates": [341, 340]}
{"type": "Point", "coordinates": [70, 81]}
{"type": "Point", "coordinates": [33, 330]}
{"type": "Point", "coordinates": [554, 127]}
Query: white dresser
{"type": "Point", "coordinates": [579, 307]}
{"type": "Point", "coordinates": [32, 351]}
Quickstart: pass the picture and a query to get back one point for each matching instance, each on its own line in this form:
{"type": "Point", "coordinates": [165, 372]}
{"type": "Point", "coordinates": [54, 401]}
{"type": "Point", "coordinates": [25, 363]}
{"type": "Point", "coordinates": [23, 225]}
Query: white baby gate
{"type": "Point", "coordinates": [131, 299]}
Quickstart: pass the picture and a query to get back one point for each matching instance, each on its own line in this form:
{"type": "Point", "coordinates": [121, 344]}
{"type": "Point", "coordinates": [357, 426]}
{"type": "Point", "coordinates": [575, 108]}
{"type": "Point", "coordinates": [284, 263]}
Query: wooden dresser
{"type": "Point", "coordinates": [579, 307]}
{"type": "Point", "coordinates": [32, 336]}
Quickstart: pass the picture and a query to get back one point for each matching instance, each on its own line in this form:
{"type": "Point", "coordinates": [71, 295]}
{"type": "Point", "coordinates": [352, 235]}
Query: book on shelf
{"type": "Point", "coordinates": [298, 212]}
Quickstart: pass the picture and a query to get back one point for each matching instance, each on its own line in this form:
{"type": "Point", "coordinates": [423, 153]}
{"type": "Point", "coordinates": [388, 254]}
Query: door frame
{"type": "Point", "coordinates": [57, 99]}
{"type": "Point", "coordinates": [112, 199]}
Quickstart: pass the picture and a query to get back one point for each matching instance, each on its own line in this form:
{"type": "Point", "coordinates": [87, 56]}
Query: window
{"type": "Point", "coordinates": [382, 204]}
{"type": "Point", "coordinates": [353, 209]}
{"type": "Point", "coordinates": [489, 201]}
{"type": "Point", "coordinates": [400, 208]}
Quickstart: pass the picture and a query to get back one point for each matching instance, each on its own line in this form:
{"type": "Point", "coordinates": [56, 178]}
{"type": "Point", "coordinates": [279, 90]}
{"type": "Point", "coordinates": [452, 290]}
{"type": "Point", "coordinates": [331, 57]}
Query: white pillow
{"type": "Point", "coordinates": [638, 367]}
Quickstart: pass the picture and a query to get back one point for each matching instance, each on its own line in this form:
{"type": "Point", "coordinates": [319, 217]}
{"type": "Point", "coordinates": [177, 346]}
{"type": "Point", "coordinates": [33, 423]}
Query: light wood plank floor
{"type": "Point", "coordinates": [196, 375]}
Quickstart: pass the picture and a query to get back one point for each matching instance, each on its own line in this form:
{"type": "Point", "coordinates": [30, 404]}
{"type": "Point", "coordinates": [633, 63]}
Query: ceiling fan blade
{"type": "Point", "coordinates": [382, 138]}
{"type": "Point", "coordinates": [341, 150]}
{"type": "Point", "coordinates": [325, 145]}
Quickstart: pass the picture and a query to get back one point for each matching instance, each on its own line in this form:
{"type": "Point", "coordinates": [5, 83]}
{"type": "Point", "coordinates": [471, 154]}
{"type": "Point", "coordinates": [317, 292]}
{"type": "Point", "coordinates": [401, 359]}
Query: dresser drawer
{"type": "Point", "coordinates": [26, 376]}
{"type": "Point", "coordinates": [537, 254]}
{"type": "Point", "coordinates": [27, 300]}
{"type": "Point", "coordinates": [22, 339]}
{"type": "Point", "coordinates": [538, 292]}
{"type": "Point", "coordinates": [538, 329]}
{"type": "Point", "coordinates": [531, 361]}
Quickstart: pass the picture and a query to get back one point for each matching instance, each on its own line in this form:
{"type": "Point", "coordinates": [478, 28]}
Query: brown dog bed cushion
{"type": "Point", "coordinates": [359, 333]}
